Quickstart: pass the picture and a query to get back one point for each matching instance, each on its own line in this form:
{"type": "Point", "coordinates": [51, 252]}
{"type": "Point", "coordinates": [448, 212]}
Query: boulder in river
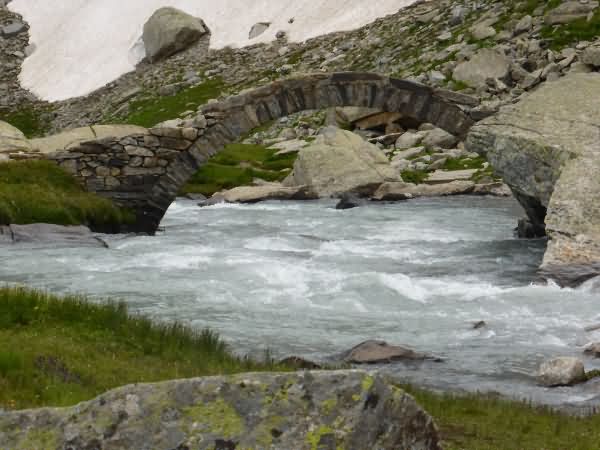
{"type": "Point", "coordinates": [593, 349]}
{"type": "Point", "coordinates": [265, 191]}
{"type": "Point", "coordinates": [404, 191]}
{"type": "Point", "coordinates": [349, 201]}
{"type": "Point", "coordinates": [562, 371]}
{"type": "Point", "coordinates": [546, 148]}
{"type": "Point", "coordinates": [378, 352]}
{"type": "Point", "coordinates": [50, 235]}
{"type": "Point", "coordinates": [302, 410]}
{"type": "Point", "coordinates": [170, 30]}
{"type": "Point", "coordinates": [340, 161]}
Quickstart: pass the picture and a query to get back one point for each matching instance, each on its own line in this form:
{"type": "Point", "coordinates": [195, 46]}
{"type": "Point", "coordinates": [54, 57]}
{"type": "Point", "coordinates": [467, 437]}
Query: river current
{"type": "Point", "coordinates": [304, 279]}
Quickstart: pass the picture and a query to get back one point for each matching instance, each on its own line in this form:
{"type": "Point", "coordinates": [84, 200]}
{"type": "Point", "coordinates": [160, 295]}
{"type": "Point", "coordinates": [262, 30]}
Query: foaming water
{"type": "Point", "coordinates": [303, 278]}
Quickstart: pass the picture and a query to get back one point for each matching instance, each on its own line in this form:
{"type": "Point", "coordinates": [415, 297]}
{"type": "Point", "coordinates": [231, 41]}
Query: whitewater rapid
{"type": "Point", "coordinates": [302, 278]}
{"type": "Point", "coordinates": [81, 45]}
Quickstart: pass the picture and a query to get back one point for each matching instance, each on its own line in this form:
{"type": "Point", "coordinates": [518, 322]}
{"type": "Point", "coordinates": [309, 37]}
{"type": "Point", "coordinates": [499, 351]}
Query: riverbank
{"type": "Point", "coordinates": [41, 192]}
{"type": "Point", "coordinates": [103, 347]}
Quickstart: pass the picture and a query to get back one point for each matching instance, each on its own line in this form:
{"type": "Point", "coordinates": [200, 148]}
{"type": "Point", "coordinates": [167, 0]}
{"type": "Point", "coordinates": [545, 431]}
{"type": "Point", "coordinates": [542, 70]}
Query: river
{"type": "Point", "coordinates": [301, 278]}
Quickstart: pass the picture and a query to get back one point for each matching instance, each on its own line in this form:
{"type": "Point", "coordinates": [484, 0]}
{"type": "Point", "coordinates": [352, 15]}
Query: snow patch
{"type": "Point", "coordinates": [81, 45]}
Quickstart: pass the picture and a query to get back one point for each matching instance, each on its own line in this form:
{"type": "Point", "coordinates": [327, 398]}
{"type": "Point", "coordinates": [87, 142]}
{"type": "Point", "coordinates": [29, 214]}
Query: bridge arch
{"type": "Point", "coordinates": [144, 172]}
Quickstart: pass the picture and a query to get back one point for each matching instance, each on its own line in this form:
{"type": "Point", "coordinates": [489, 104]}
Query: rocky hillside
{"type": "Point", "coordinates": [497, 50]}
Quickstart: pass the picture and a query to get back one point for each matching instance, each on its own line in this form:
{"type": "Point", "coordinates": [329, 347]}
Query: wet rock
{"type": "Point", "coordinates": [562, 371]}
{"type": "Point", "coordinates": [349, 201]}
{"type": "Point", "coordinates": [378, 352]}
{"type": "Point", "coordinates": [332, 409]}
{"type": "Point", "coordinates": [479, 325]}
{"type": "Point", "coordinates": [50, 235]}
{"type": "Point", "coordinates": [593, 350]}
{"type": "Point", "coordinates": [527, 230]}
{"type": "Point", "coordinates": [170, 30]}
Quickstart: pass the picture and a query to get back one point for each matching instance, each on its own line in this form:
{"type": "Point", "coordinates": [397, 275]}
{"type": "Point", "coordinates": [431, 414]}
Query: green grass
{"type": "Point", "coordinates": [480, 422]}
{"type": "Point", "coordinates": [414, 176]}
{"type": "Point", "coordinates": [41, 192]}
{"type": "Point", "coordinates": [60, 351]}
{"type": "Point", "coordinates": [464, 163]}
{"type": "Point", "coordinates": [148, 112]}
{"type": "Point", "coordinates": [28, 121]}
{"type": "Point", "coordinates": [237, 165]}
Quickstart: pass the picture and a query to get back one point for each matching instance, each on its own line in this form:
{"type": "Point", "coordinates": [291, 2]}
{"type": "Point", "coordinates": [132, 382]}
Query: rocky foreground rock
{"type": "Point", "coordinates": [547, 149]}
{"type": "Point", "coordinates": [310, 410]}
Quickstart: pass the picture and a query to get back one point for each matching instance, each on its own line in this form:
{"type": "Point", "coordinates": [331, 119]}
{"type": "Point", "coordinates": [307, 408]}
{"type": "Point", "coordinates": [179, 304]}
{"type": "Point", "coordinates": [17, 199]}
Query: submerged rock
{"type": "Point", "coordinates": [349, 201]}
{"type": "Point", "coordinates": [50, 235]}
{"type": "Point", "coordinates": [377, 352]}
{"type": "Point", "coordinates": [304, 410]}
{"type": "Point", "coordinates": [562, 371]}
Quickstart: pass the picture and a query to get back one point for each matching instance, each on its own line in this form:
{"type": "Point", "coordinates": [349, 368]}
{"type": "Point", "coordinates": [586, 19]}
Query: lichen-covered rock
{"type": "Point", "coordinates": [340, 161]}
{"type": "Point", "coordinates": [547, 149]}
{"type": "Point", "coordinates": [169, 31]}
{"type": "Point", "coordinates": [325, 410]}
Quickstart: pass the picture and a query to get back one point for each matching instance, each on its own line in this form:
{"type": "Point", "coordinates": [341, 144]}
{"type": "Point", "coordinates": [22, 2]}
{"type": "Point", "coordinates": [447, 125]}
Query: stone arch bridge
{"type": "Point", "coordinates": [144, 171]}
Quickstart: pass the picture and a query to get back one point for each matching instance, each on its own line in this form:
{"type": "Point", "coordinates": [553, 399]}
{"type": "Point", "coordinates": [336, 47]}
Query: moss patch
{"type": "Point", "coordinates": [41, 192]}
{"type": "Point", "coordinates": [563, 35]}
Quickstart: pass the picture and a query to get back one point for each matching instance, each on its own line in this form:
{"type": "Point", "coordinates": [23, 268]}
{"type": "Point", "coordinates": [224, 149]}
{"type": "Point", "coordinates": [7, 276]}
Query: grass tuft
{"type": "Point", "coordinates": [486, 422]}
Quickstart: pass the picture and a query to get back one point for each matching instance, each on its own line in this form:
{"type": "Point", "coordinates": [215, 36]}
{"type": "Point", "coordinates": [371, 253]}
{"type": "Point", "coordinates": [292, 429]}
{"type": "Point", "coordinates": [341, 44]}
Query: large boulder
{"type": "Point", "coordinates": [12, 139]}
{"type": "Point", "coordinates": [547, 149]}
{"type": "Point", "coordinates": [486, 63]}
{"type": "Point", "coordinates": [305, 410]}
{"type": "Point", "coordinates": [169, 31]}
{"type": "Point", "coordinates": [340, 161]}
